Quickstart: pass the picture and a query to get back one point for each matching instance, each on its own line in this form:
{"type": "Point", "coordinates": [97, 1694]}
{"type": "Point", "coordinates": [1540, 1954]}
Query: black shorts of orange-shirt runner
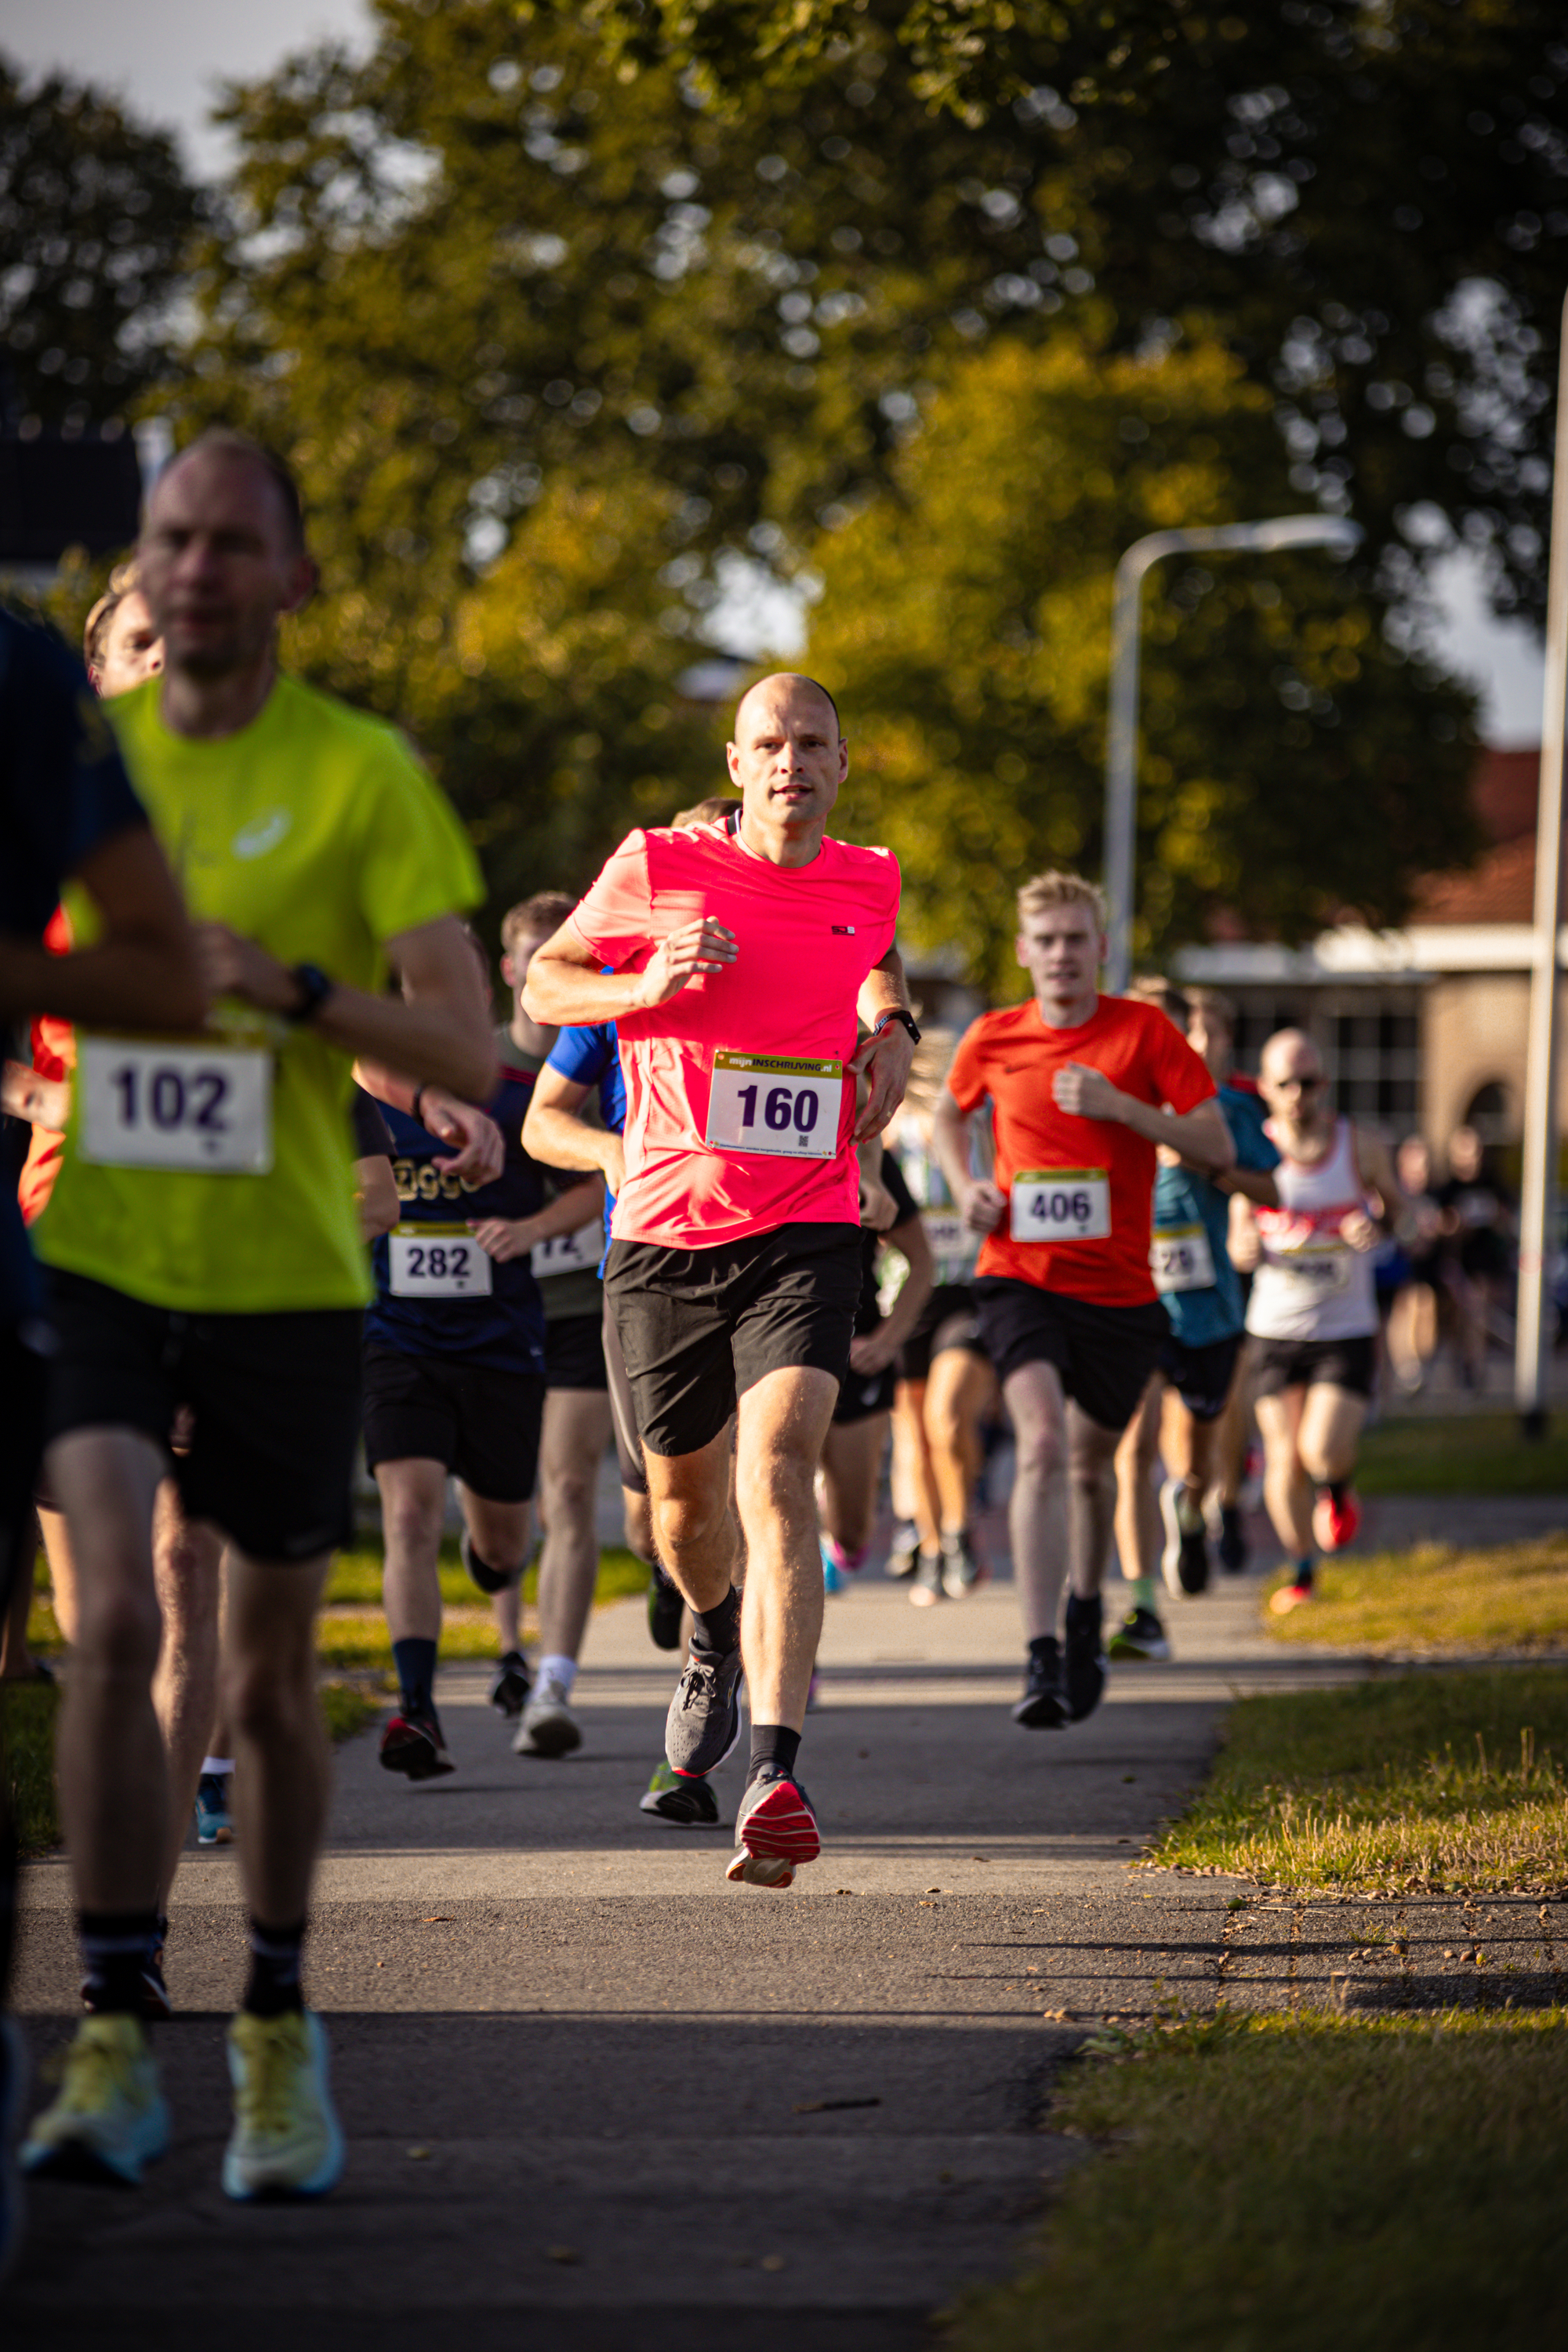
{"type": "Point", "coordinates": [700, 1327]}
{"type": "Point", "coordinates": [1104, 1355]}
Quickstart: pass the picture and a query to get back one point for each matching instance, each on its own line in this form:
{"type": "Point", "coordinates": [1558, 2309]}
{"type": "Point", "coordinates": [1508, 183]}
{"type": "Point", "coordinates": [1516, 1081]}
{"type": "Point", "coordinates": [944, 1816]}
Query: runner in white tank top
{"type": "Point", "coordinates": [1311, 1283]}
{"type": "Point", "coordinates": [1313, 1310]}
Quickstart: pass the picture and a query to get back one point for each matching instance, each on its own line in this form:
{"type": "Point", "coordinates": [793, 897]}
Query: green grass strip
{"type": "Point", "coordinates": [1467, 1453]}
{"type": "Point", "coordinates": [1438, 1599]}
{"type": "Point", "coordinates": [1276, 2185]}
{"type": "Point", "coordinates": [1435, 1781]}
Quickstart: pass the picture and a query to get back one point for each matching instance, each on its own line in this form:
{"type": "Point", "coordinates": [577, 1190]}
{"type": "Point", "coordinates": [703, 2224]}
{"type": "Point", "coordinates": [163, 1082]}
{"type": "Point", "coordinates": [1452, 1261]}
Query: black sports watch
{"type": "Point", "coordinates": [314, 990]}
{"type": "Point", "coordinates": [898, 1013]}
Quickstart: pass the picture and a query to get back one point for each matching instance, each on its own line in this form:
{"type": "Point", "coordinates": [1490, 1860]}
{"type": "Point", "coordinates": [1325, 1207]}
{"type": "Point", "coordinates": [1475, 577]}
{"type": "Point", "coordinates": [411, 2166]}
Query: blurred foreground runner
{"type": "Point", "coordinates": [205, 1252]}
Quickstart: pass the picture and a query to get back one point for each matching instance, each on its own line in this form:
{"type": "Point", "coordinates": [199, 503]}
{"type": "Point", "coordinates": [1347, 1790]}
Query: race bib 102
{"type": "Point", "coordinates": [575, 1253]}
{"type": "Point", "coordinates": [1179, 1258]}
{"type": "Point", "coordinates": [1061, 1204]}
{"type": "Point", "coordinates": [437, 1262]}
{"type": "Point", "coordinates": [762, 1102]}
{"type": "Point", "coordinates": [187, 1109]}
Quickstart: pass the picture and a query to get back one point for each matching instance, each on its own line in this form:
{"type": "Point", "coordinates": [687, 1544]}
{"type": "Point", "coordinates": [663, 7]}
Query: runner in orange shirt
{"type": "Point", "coordinates": [1083, 1088]}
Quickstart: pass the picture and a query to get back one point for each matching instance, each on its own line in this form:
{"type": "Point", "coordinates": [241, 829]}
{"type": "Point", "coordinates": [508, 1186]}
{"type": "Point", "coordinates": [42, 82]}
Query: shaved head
{"type": "Point", "coordinates": [1291, 1053]}
{"type": "Point", "coordinates": [785, 678]}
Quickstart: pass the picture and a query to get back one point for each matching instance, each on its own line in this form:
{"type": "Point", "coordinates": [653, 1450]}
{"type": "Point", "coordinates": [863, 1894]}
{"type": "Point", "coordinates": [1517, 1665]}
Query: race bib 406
{"type": "Point", "coordinates": [1061, 1204]}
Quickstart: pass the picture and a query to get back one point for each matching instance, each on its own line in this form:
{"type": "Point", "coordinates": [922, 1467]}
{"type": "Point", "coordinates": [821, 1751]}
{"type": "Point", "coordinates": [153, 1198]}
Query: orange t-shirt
{"type": "Point", "coordinates": [1013, 1057]}
{"type": "Point", "coordinates": [54, 1056]}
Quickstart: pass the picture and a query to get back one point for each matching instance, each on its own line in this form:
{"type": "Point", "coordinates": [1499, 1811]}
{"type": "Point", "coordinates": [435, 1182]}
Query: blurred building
{"type": "Point", "coordinates": [1421, 1029]}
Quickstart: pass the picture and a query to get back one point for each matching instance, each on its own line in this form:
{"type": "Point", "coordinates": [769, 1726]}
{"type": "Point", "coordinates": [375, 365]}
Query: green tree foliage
{"type": "Point", "coordinates": [552, 347]}
{"type": "Point", "coordinates": [95, 216]}
{"type": "Point", "coordinates": [1372, 200]}
{"type": "Point", "coordinates": [1288, 774]}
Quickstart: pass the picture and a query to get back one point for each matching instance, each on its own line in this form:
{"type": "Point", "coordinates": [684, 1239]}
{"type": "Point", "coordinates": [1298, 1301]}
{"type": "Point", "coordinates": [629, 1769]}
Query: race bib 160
{"type": "Point", "coordinates": [762, 1102]}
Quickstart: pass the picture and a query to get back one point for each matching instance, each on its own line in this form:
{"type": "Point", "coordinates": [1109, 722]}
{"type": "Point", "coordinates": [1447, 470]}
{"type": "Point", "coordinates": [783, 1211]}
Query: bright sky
{"type": "Point", "coordinates": [166, 57]}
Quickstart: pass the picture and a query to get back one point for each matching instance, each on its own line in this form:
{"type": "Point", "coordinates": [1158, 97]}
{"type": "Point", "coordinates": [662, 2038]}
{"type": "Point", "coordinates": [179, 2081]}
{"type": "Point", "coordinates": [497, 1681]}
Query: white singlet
{"type": "Point", "coordinates": [1310, 1283]}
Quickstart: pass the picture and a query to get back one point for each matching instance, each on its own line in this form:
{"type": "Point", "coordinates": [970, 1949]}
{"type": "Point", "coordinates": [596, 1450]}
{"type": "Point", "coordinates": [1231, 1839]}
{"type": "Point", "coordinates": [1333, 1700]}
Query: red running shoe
{"type": "Point", "coordinates": [412, 1744]}
{"type": "Point", "coordinates": [776, 1832]}
{"type": "Point", "coordinates": [1335, 1519]}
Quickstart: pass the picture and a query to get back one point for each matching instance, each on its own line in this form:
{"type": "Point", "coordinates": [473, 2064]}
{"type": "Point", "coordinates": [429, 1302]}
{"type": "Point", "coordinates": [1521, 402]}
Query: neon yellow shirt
{"type": "Point", "coordinates": [315, 832]}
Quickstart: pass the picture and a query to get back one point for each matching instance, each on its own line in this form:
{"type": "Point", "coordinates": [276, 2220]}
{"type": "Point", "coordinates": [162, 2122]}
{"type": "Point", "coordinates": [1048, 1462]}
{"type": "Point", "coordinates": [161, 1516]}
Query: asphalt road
{"type": "Point", "coordinates": [586, 2079]}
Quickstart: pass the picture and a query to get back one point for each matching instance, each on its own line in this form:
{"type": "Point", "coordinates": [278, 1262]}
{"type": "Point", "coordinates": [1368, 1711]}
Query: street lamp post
{"type": "Point", "coordinates": [1537, 1192]}
{"type": "Point", "coordinates": [1121, 735]}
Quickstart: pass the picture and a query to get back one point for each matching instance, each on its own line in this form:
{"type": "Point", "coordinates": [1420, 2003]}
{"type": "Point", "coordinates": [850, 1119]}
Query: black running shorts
{"type": "Point", "coordinates": [700, 1327]}
{"type": "Point", "coordinates": [274, 1402]}
{"type": "Point", "coordinates": [575, 1352]}
{"type": "Point", "coordinates": [481, 1425]}
{"type": "Point", "coordinates": [1202, 1377]}
{"type": "Point", "coordinates": [1104, 1354]}
{"type": "Point", "coordinates": [1281, 1364]}
{"type": "Point", "coordinates": [864, 1393]}
{"type": "Point", "coordinates": [947, 1319]}
{"type": "Point", "coordinates": [623, 1413]}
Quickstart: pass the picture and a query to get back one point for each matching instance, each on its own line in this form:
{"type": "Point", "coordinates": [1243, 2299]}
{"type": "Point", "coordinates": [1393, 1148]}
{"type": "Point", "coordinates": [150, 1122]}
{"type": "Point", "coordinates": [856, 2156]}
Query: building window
{"type": "Point", "coordinates": [1256, 1019]}
{"type": "Point", "coordinates": [1374, 1067]}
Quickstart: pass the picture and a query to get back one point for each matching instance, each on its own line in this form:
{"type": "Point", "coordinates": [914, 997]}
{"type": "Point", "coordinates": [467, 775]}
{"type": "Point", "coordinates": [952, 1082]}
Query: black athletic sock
{"type": "Point", "coordinates": [274, 1986]}
{"type": "Point", "coordinates": [718, 1631]}
{"type": "Point", "coordinates": [115, 1948]}
{"type": "Point", "coordinates": [1043, 1651]}
{"type": "Point", "coordinates": [1085, 1616]}
{"type": "Point", "coordinates": [416, 1662]}
{"type": "Point", "coordinates": [773, 1748]}
{"type": "Point", "coordinates": [1336, 1490]}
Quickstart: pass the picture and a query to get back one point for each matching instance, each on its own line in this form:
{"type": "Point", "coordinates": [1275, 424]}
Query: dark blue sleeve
{"type": "Point", "coordinates": [1244, 1115]}
{"type": "Point", "coordinates": [65, 789]}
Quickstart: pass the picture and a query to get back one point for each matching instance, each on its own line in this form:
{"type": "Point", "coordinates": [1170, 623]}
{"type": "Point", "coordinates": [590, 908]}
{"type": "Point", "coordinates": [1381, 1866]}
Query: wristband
{"type": "Point", "coordinates": [414, 1111]}
{"type": "Point", "coordinates": [897, 1013]}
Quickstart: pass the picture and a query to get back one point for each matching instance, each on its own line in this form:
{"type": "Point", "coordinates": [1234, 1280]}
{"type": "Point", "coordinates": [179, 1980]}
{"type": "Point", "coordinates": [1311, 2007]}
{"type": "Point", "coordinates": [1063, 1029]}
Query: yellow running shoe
{"type": "Point", "coordinates": [287, 2140]}
{"type": "Point", "coordinates": [110, 2119]}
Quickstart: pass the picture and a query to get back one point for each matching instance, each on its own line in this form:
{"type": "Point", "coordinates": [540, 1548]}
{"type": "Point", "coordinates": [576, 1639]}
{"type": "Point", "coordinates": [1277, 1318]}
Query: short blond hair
{"type": "Point", "coordinates": [1061, 890]}
{"type": "Point", "coordinates": [1214, 1005]}
{"type": "Point", "coordinates": [1153, 988]}
{"type": "Point", "coordinates": [714, 810]}
{"type": "Point", "coordinates": [123, 580]}
{"type": "Point", "coordinates": [536, 918]}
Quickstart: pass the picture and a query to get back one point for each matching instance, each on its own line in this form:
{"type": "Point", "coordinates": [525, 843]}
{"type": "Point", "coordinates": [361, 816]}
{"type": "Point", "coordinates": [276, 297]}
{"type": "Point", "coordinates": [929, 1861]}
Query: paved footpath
{"type": "Point", "coordinates": [585, 2079]}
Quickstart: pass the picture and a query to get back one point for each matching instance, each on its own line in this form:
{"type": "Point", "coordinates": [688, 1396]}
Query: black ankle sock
{"type": "Point", "coordinates": [717, 1630]}
{"type": "Point", "coordinates": [773, 1748]}
{"type": "Point", "coordinates": [1084, 1612]}
{"type": "Point", "coordinates": [115, 1946]}
{"type": "Point", "coordinates": [416, 1664]}
{"type": "Point", "coordinates": [1336, 1489]}
{"type": "Point", "coordinates": [1044, 1648]}
{"type": "Point", "coordinates": [274, 1985]}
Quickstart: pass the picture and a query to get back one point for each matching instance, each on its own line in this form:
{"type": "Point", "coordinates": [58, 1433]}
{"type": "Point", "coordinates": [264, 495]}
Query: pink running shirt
{"type": "Point", "coordinates": [808, 936]}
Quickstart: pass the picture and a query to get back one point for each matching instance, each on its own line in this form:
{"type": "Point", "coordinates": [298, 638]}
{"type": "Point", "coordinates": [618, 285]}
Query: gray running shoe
{"type": "Point", "coordinates": [548, 1727]}
{"type": "Point", "coordinates": [691, 1804]}
{"type": "Point", "coordinates": [704, 1720]}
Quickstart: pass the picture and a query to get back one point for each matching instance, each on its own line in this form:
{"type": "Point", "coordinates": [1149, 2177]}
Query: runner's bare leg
{"type": "Point", "coordinates": [784, 1422]}
{"type": "Point", "coordinates": [1037, 1509]}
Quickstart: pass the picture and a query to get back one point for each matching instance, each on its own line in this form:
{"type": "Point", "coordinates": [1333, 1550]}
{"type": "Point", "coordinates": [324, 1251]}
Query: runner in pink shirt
{"type": "Point", "coordinates": [739, 957]}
